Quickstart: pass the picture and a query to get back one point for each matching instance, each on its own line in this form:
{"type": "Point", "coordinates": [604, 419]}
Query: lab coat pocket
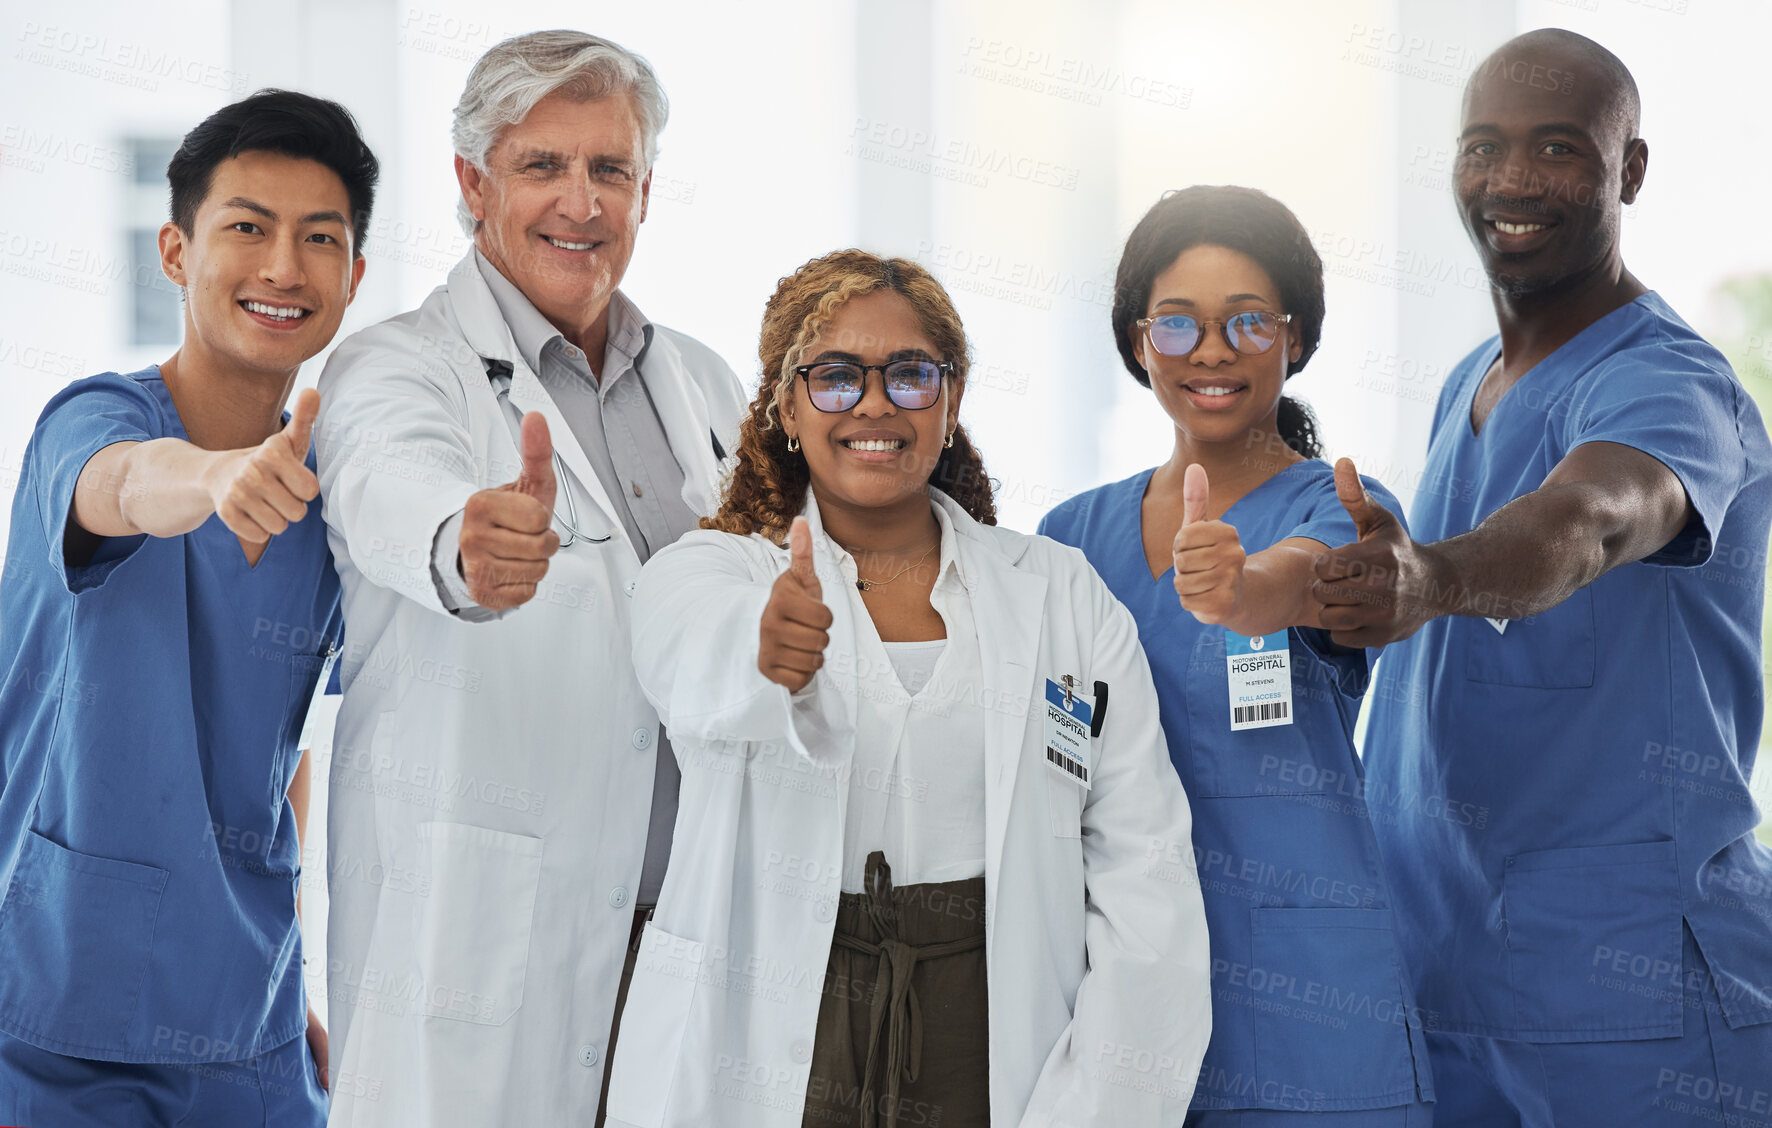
{"type": "Point", "coordinates": [1331, 1013]}
{"type": "Point", "coordinates": [1064, 798]}
{"type": "Point", "coordinates": [1552, 650]}
{"type": "Point", "coordinates": [77, 931]}
{"type": "Point", "coordinates": [660, 997]}
{"type": "Point", "coordinates": [1593, 941]}
{"type": "Point", "coordinates": [473, 953]}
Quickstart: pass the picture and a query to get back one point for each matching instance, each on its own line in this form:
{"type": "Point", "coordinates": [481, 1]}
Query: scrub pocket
{"type": "Point", "coordinates": [1552, 650]}
{"type": "Point", "coordinates": [650, 1049]}
{"type": "Point", "coordinates": [77, 932]}
{"type": "Point", "coordinates": [473, 953]}
{"type": "Point", "coordinates": [1593, 942]}
{"type": "Point", "coordinates": [1330, 1012]}
{"type": "Point", "coordinates": [1277, 760]}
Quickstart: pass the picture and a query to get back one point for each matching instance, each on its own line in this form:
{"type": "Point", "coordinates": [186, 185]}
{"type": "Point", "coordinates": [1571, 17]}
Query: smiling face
{"type": "Point", "coordinates": [1546, 160]}
{"type": "Point", "coordinates": [267, 267]}
{"type": "Point", "coordinates": [1217, 394]}
{"type": "Point", "coordinates": [875, 454]}
{"type": "Point", "coordinates": [560, 203]}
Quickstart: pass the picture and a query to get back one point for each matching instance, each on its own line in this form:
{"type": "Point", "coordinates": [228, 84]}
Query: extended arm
{"type": "Point", "coordinates": [1602, 506]}
{"type": "Point", "coordinates": [167, 487]}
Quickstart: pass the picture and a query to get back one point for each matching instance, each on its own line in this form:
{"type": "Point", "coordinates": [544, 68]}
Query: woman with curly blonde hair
{"type": "Point", "coordinates": [921, 872]}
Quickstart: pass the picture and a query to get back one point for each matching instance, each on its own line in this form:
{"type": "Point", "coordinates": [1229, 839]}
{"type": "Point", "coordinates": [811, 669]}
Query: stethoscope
{"type": "Point", "coordinates": [499, 373]}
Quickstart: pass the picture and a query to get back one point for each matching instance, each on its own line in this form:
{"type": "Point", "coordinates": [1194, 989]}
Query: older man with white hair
{"type": "Point", "coordinates": [496, 466]}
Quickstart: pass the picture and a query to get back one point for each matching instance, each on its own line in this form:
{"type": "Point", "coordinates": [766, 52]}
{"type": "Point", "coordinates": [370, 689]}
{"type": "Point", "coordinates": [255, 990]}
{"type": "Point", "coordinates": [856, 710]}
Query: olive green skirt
{"type": "Point", "coordinates": [903, 1024]}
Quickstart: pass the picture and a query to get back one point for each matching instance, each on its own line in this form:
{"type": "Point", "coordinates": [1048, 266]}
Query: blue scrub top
{"type": "Point", "coordinates": [1311, 1008]}
{"type": "Point", "coordinates": [1607, 742]}
{"type": "Point", "coordinates": [148, 723]}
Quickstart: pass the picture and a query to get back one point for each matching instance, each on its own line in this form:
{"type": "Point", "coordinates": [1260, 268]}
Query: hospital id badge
{"type": "Point", "coordinates": [1261, 680]}
{"type": "Point", "coordinates": [1068, 717]}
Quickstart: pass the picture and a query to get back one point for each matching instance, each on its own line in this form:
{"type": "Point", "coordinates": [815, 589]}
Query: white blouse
{"type": "Point", "coordinates": [916, 785]}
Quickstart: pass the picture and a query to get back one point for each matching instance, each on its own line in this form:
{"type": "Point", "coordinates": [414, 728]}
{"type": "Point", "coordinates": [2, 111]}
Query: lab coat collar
{"type": "Point", "coordinates": [996, 546]}
{"type": "Point", "coordinates": [629, 330]}
{"type": "Point", "coordinates": [681, 406]}
{"type": "Point", "coordinates": [484, 328]}
{"type": "Point", "coordinates": [683, 409]}
{"type": "Point", "coordinates": [947, 562]}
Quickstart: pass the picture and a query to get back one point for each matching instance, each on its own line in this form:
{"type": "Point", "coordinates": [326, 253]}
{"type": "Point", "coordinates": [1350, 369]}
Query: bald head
{"type": "Point", "coordinates": [1548, 155]}
{"type": "Point", "coordinates": [1596, 82]}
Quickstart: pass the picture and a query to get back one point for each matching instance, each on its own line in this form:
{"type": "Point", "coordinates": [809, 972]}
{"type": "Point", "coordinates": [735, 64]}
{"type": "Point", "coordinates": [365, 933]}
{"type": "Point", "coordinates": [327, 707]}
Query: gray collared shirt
{"type": "Point", "coordinates": [612, 418]}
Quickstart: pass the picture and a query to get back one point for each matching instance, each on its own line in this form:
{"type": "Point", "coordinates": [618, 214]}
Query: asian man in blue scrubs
{"type": "Point", "coordinates": [167, 607]}
{"type": "Point", "coordinates": [1574, 647]}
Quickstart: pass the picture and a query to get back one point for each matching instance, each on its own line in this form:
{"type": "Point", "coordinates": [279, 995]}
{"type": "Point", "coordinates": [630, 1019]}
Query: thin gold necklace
{"type": "Point", "coordinates": [870, 585]}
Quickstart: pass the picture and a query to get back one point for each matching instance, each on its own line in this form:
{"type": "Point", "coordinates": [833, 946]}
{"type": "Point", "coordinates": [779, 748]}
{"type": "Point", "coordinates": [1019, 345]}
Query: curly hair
{"type": "Point", "coordinates": [767, 487]}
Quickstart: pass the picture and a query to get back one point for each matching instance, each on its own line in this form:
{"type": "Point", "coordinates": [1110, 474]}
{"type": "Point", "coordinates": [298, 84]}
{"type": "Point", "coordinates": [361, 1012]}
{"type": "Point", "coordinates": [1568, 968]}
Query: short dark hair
{"type": "Point", "coordinates": [276, 121]}
{"type": "Point", "coordinates": [1250, 222]}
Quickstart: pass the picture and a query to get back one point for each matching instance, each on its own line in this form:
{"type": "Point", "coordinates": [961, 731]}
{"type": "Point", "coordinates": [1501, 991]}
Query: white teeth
{"type": "Point", "coordinates": [1518, 228]}
{"type": "Point", "coordinates": [281, 313]}
{"type": "Point", "coordinates": [874, 444]}
{"type": "Point", "coordinates": [565, 246]}
{"type": "Point", "coordinates": [1213, 391]}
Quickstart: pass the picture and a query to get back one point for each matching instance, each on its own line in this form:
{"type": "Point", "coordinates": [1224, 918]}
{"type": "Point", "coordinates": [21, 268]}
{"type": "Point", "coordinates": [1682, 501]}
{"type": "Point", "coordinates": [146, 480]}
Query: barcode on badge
{"type": "Point", "coordinates": [1266, 711]}
{"type": "Point", "coordinates": [1067, 763]}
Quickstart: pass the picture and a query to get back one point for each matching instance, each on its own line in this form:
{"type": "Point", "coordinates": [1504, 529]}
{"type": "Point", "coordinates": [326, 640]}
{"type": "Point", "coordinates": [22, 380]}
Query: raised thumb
{"type": "Point", "coordinates": [1195, 494]}
{"type": "Point", "coordinates": [800, 557]}
{"type": "Point", "coordinates": [537, 479]}
{"type": "Point", "coordinates": [300, 428]}
{"type": "Point", "coordinates": [1351, 492]}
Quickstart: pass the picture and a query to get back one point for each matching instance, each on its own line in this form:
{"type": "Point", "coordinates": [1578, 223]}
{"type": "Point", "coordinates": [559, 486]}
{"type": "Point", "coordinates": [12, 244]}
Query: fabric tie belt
{"type": "Point", "coordinates": [895, 1011]}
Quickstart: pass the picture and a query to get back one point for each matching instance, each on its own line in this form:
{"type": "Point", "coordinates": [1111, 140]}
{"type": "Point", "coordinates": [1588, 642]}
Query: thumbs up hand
{"type": "Point", "coordinates": [506, 532]}
{"type": "Point", "coordinates": [795, 628]}
{"type": "Point", "coordinates": [260, 491]}
{"type": "Point", "coordinates": [1209, 556]}
{"type": "Point", "coordinates": [1371, 591]}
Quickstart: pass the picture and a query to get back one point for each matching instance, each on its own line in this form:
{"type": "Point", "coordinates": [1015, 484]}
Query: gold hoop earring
{"type": "Point", "coordinates": [949, 441]}
{"type": "Point", "coordinates": [793, 444]}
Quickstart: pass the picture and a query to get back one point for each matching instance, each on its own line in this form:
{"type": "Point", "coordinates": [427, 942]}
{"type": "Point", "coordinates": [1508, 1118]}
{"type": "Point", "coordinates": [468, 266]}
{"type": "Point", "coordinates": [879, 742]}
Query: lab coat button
{"type": "Point", "coordinates": [826, 911]}
{"type": "Point", "coordinates": [801, 1051]}
{"type": "Point", "coordinates": [642, 738]}
{"type": "Point", "coordinates": [632, 584]}
{"type": "Point", "coordinates": [589, 1056]}
{"type": "Point", "coordinates": [618, 896]}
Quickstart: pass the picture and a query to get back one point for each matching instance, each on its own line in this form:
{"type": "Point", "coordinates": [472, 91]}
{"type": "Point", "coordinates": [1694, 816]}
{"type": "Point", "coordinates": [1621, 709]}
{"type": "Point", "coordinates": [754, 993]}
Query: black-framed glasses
{"type": "Point", "coordinates": [1249, 333]}
{"type": "Point", "coordinates": [839, 385]}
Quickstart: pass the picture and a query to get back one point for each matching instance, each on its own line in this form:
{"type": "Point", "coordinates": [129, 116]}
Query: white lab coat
{"type": "Point", "coordinates": [1095, 933]}
{"type": "Point", "coordinates": [491, 779]}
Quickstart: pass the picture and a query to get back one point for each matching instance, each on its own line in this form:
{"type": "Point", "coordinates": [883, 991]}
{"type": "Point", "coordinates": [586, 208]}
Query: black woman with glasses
{"type": "Point", "coordinates": [931, 861]}
{"type": "Point", "coordinates": [1217, 302]}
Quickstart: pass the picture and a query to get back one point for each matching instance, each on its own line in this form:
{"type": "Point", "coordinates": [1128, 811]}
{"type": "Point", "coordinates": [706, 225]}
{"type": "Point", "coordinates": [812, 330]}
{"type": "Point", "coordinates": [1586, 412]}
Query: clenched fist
{"type": "Point", "coordinates": [796, 623]}
{"type": "Point", "coordinates": [506, 533]}
{"type": "Point", "coordinates": [260, 491]}
{"type": "Point", "coordinates": [1209, 556]}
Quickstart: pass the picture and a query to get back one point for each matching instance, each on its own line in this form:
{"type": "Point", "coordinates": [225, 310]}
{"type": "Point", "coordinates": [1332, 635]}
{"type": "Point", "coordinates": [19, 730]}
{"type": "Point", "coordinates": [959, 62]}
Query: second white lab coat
{"type": "Point", "coordinates": [1095, 934]}
{"type": "Point", "coordinates": [491, 780]}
